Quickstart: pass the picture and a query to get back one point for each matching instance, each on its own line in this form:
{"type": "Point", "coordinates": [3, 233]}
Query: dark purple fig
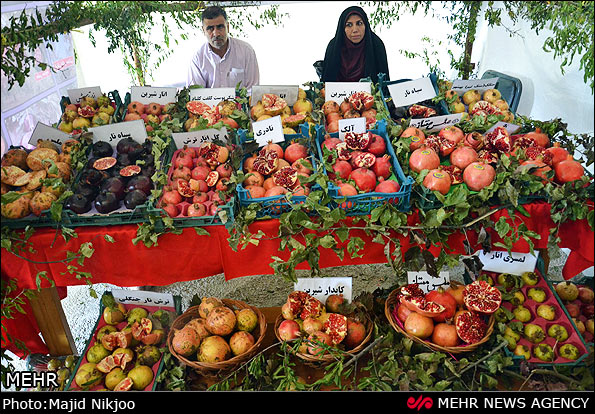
{"type": "Point", "coordinates": [77, 203]}
{"type": "Point", "coordinates": [135, 198]}
{"type": "Point", "coordinates": [148, 170]}
{"type": "Point", "coordinates": [93, 177]}
{"type": "Point", "coordinates": [136, 151]}
{"type": "Point", "coordinates": [106, 202]}
{"type": "Point", "coordinates": [102, 149]}
{"type": "Point", "coordinates": [124, 160]}
{"type": "Point", "coordinates": [86, 190]}
{"type": "Point", "coordinates": [140, 182]}
{"type": "Point", "coordinates": [115, 185]}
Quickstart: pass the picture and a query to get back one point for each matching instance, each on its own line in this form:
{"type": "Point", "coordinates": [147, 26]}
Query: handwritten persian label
{"type": "Point", "coordinates": [113, 133]}
{"type": "Point", "coordinates": [212, 96]}
{"type": "Point", "coordinates": [287, 92]}
{"type": "Point", "coordinates": [427, 282]}
{"type": "Point", "coordinates": [436, 123]}
{"type": "Point", "coordinates": [150, 94]}
{"type": "Point", "coordinates": [196, 138]}
{"type": "Point", "coordinates": [511, 128]}
{"type": "Point", "coordinates": [411, 92]}
{"type": "Point", "coordinates": [339, 91]}
{"type": "Point", "coordinates": [503, 262]}
{"type": "Point", "coordinates": [322, 287]}
{"type": "Point", "coordinates": [76, 95]}
{"type": "Point", "coordinates": [356, 125]}
{"type": "Point", "coordinates": [42, 131]}
{"type": "Point", "coordinates": [463, 85]}
{"type": "Point", "coordinates": [268, 130]}
{"type": "Point", "coordinates": [141, 297]}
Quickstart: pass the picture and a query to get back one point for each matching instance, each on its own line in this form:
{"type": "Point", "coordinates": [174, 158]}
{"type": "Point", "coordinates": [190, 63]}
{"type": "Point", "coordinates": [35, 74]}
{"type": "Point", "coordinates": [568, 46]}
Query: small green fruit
{"type": "Point", "coordinates": [522, 314]}
{"type": "Point", "coordinates": [544, 352]}
{"type": "Point", "coordinates": [54, 364]}
{"type": "Point", "coordinates": [530, 278]}
{"type": "Point", "coordinates": [507, 280]}
{"type": "Point", "coordinates": [517, 298]}
{"type": "Point", "coordinates": [537, 294]}
{"type": "Point", "coordinates": [534, 333]}
{"type": "Point", "coordinates": [558, 332]}
{"type": "Point", "coordinates": [511, 342]}
{"type": "Point", "coordinates": [512, 333]}
{"type": "Point", "coordinates": [547, 312]}
{"type": "Point", "coordinates": [523, 350]}
{"type": "Point", "coordinates": [569, 351]}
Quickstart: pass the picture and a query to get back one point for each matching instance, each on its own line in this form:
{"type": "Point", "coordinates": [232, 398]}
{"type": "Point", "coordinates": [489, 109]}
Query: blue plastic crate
{"type": "Point", "coordinates": [510, 87]}
{"type": "Point", "coordinates": [363, 204]}
{"type": "Point", "coordinates": [276, 205]}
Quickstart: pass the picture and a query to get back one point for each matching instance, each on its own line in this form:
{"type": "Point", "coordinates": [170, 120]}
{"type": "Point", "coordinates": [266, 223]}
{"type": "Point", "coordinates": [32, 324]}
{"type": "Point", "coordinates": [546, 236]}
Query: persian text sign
{"type": "Point", "coordinates": [141, 297]}
{"type": "Point", "coordinates": [75, 95]}
{"type": "Point", "coordinates": [268, 130]}
{"type": "Point", "coordinates": [212, 96]}
{"type": "Point", "coordinates": [150, 94]}
{"type": "Point", "coordinates": [322, 287]}
{"type": "Point", "coordinates": [113, 133]}
{"type": "Point", "coordinates": [355, 125]}
{"type": "Point", "coordinates": [339, 91]}
{"type": "Point", "coordinates": [42, 131]}
{"type": "Point", "coordinates": [411, 92]}
{"type": "Point", "coordinates": [436, 123]}
{"type": "Point", "coordinates": [427, 282]}
{"type": "Point", "coordinates": [503, 262]}
{"type": "Point", "coordinates": [289, 93]}
{"type": "Point", "coordinates": [461, 86]}
{"type": "Point", "coordinates": [196, 138]}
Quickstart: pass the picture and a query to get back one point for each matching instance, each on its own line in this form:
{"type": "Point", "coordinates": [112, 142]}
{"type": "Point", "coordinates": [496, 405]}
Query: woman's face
{"type": "Point", "coordinates": [355, 28]}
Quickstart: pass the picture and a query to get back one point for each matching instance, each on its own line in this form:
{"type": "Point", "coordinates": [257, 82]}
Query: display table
{"type": "Point", "coordinates": [190, 256]}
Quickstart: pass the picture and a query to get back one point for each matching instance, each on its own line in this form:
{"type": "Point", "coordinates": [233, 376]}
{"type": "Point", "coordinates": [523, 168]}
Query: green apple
{"type": "Point", "coordinates": [534, 333]}
{"type": "Point", "coordinates": [544, 352]}
{"type": "Point", "coordinates": [569, 351]}
{"type": "Point", "coordinates": [522, 314]}
{"type": "Point", "coordinates": [547, 312]}
{"type": "Point", "coordinates": [558, 332]}
{"type": "Point", "coordinates": [523, 350]}
{"type": "Point", "coordinates": [537, 294]}
{"type": "Point", "coordinates": [530, 278]}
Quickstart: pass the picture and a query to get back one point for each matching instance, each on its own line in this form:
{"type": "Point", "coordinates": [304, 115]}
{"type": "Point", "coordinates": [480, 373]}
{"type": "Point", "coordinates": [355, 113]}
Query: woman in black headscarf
{"type": "Point", "coordinates": [355, 52]}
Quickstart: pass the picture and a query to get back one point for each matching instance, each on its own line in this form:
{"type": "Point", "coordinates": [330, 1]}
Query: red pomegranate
{"type": "Point", "coordinates": [452, 133]}
{"type": "Point", "coordinates": [387, 186]}
{"type": "Point", "coordinates": [445, 334]}
{"type": "Point", "coordinates": [462, 156]}
{"type": "Point", "coordinates": [444, 298]}
{"type": "Point", "coordinates": [364, 178]}
{"type": "Point", "coordinates": [295, 151]}
{"type": "Point", "coordinates": [341, 169]}
{"type": "Point", "coordinates": [558, 153]}
{"type": "Point", "coordinates": [540, 138]}
{"type": "Point", "coordinates": [377, 145]}
{"type": "Point", "coordinates": [419, 325]}
{"type": "Point", "coordinates": [541, 168]}
{"type": "Point", "coordinates": [402, 312]}
{"type": "Point", "coordinates": [382, 167]}
{"type": "Point", "coordinates": [330, 142]}
{"type": "Point", "coordinates": [424, 159]}
{"type": "Point", "coordinates": [437, 180]}
{"type": "Point", "coordinates": [478, 175]}
{"type": "Point", "coordinates": [568, 170]}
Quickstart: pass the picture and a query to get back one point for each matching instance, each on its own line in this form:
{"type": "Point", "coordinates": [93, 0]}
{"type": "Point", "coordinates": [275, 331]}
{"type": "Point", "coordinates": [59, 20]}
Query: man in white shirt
{"type": "Point", "coordinates": [223, 61]}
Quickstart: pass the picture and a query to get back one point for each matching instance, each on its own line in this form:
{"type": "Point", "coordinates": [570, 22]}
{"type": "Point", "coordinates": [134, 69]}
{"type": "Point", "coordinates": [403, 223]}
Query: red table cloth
{"type": "Point", "coordinates": [191, 256]}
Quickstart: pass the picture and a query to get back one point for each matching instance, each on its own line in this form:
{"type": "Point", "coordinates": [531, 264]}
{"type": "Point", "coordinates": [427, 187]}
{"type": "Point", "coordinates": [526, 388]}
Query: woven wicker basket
{"type": "Point", "coordinates": [327, 358]}
{"type": "Point", "coordinates": [213, 370]}
{"type": "Point", "coordinates": [392, 303]}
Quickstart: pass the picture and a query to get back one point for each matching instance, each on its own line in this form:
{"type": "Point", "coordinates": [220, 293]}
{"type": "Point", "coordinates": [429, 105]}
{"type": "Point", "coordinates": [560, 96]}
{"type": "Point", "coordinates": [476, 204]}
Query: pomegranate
{"type": "Point", "coordinates": [452, 133]}
{"type": "Point", "coordinates": [436, 180]}
{"type": "Point", "coordinates": [356, 333]}
{"type": "Point", "coordinates": [445, 334]}
{"type": "Point", "coordinates": [358, 141]}
{"type": "Point", "coordinates": [288, 330]}
{"type": "Point", "coordinates": [470, 326]}
{"type": "Point", "coordinates": [330, 142]}
{"type": "Point", "coordinates": [241, 342]}
{"type": "Point", "coordinates": [302, 166]}
{"type": "Point", "coordinates": [568, 170]}
{"type": "Point", "coordinates": [335, 325]}
{"type": "Point", "coordinates": [444, 298]}
{"type": "Point", "coordinates": [249, 162]}
{"type": "Point", "coordinates": [182, 172]}
{"type": "Point", "coordinates": [422, 306]}
{"type": "Point", "coordinates": [207, 305]}
{"type": "Point", "coordinates": [365, 179]}
{"type": "Point", "coordinates": [387, 186]}
{"type": "Point", "coordinates": [275, 191]}
{"type": "Point", "coordinates": [224, 170]}
{"type": "Point", "coordinates": [183, 159]}
{"type": "Point", "coordinates": [253, 178]}
{"type": "Point", "coordinates": [456, 291]}
{"type": "Point", "coordinates": [382, 167]}
{"type": "Point", "coordinates": [540, 167]}
{"type": "Point", "coordinates": [171, 209]}
{"type": "Point", "coordinates": [567, 291]}
{"type": "Point", "coordinates": [286, 177]}
{"type": "Point", "coordinates": [333, 117]}
{"type": "Point", "coordinates": [417, 137]}
{"type": "Point", "coordinates": [200, 173]}
{"type": "Point", "coordinates": [424, 159]}
{"type": "Point", "coordinates": [221, 321]}
{"type": "Point", "coordinates": [419, 325]}
{"type": "Point", "coordinates": [316, 342]}
{"type": "Point", "coordinates": [295, 151]}
{"type": "Point", "coordinates": [275, 148]}
{"type": "Point", "coordinates": [377, 145]}
{"type": "Point", "coordinates": [585, 294]}
{"type": "Point", "coordinates": [213, 349]}
{"type": "Point", "coordinates": [364, 160]}
{"type": "Point", "coordinates": [330, 106]}
{"type": "Point", "coordinates": [345, 106]}
{"type": "Point", "coordinates": [474, 140]}
{"type": "Point", "coordinates": [334, 302]}
{"type": "Point", "coordinates": [311, 325]}
{"type": "Point", "coordinates": [185, 341]}
{"type": "Point", "coordinates": [196, 210]}
{"type": "Point", "coordinates": [402, 312]}
{"type": "Point", "coordinates": [478, 175]}
{"type": "Point", "coordinates": [557, 153]}
{"type": "Point", "coordinates": [361, 101]}
{"type": "Point", "coordinates": [540, 138]}
{"type": "Point", "coordinates": [342, 169]}
{"type": "Point", "coordinates": [479, 296]}
{"type": "Point", "coordinates": [462, 156]}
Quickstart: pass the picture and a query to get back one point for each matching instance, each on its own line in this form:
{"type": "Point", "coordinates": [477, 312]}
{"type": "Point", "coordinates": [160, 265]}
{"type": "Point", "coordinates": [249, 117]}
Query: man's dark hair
{"type": "Point", "coordinates": [212, 12]}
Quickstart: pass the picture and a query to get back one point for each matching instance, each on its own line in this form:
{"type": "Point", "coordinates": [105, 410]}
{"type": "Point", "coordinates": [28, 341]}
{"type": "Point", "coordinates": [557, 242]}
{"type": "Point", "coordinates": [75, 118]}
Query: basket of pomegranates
{"type": "Point", "coordinates": [454, 320]}
{"type": "Point", "coordinates": [217, 336]}
{"type": "Point", "coordinates": [276, 175]}
{"type": "Point", "coordinates": [197, 191]}
{"type": "Point", "coordinates": [364, 171]}
{"type": "Point", "coordinates": [320, 333]}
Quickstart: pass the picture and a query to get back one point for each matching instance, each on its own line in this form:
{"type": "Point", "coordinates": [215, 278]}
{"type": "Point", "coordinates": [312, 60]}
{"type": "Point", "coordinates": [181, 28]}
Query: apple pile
{"type": "Point", "coordinates": [578, 300]}
{"type": "Point", "coordinates": [33, 180]}
{"type": "Point", "coordinates": [124, 353]}
{"type": "Point", "coordinates": [217, 334]}
{"type": "Point", "coordinates": [473, 102]}
{"type": "Point", "coordinates": [90, 112]}
{"type": "Point", "coordinates": [271, 105]}
{"type": "Point", "coordinates": [359, 164]}
{"type": "Point", "coordinates": [358, 105]}
{"type": "Point", "coordinates": [275, 171]}
{"type": "Point", "coordinates": [197, 179]}
{"type": "Point", "coordinates": [331, 323]}
{"type": "Point", "coordinates": [448, 317]}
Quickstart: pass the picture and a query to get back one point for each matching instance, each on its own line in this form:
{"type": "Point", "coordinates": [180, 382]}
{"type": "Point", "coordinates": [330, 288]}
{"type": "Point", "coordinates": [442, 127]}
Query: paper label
{"type": "Point", "coordinates": [511, 128]}
{"type": "Point", "coordinates": [287, 92]}
{"type": "Point", "coordinates": [212, 96]}
{"type": "Point", "coordinates": [75, 95]}
{"type": "Point", "coordinates": [113, 133]}
{"type": "Point", "coordinates": [356, 125]}
{"type": "Point", "coordinates": [150, 94]}
{"type": "Point", "coordinates": [322, 287]}
{"type": "Point", "coordinates": [141, 297]}
{"type": "Point", "coordinates": [268, 130]}
{"type": "Point", "coordinates": [436, 123]}
{"type": "Point", "coordinates": [411, 92]}
{"type": "Point", "coordinates": [463, 85]}
{"type": "Point", "coordinates": [42, 131]}
{"type": "Point", "coordinates": [426, 282]}
{"type": "Point", "coordinates": [502, 262]}
{"type": "Point", "coordinates": [339, 91]}
{"type": "Point", "coordinates": [196, 138]}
